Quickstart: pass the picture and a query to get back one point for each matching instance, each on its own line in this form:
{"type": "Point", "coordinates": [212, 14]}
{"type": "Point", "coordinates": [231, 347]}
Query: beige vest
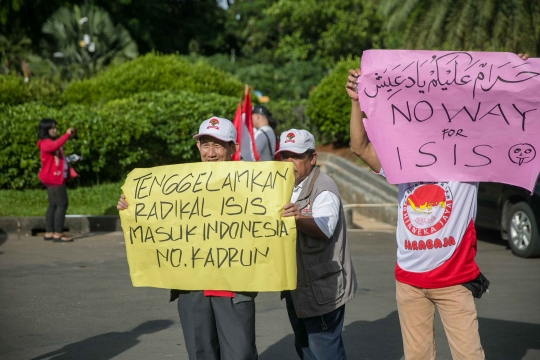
{"type": "Point", "coordinates": [326, 278]}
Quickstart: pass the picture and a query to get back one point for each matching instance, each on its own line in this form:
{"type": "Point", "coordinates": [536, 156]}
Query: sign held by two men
{"type": "Point", "coordinates": [211, 226]}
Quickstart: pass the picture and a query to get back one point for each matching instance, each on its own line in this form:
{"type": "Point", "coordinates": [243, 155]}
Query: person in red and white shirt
{"type": "Point", "coordinates": [435, 264]}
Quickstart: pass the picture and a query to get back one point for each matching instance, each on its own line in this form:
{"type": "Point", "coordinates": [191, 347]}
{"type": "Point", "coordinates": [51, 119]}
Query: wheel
{"type": "Point", "coordinates": [523, 236]}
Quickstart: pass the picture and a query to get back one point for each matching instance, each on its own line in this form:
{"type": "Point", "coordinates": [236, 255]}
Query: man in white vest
{"type": "Point", "coordinates": [326, 279]}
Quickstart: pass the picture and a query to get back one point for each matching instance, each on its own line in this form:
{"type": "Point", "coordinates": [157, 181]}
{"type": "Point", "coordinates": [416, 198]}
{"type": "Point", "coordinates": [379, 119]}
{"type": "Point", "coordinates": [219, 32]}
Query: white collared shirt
{"type": "Point", "coordinates": [325, 209]}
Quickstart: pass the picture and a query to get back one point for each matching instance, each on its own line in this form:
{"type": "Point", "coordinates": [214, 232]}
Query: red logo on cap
{"type": "Point", "coordinates": [214, 122]}
{"type": "Point", "coordinates": [290, 137]}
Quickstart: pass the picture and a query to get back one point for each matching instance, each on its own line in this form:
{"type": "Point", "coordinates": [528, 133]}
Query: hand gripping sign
{"type": "Point", "coordinates": [211, 226]}
{"type": "Point", "coordinates": [462, 116]}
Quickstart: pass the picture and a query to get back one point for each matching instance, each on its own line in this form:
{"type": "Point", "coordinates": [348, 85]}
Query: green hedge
{"type": "Point", "coordinates": [292, 81]}
{"type": "Point", "coordinates": [14, 91]}
{"type": "Point", "coordinates": [329, 106]}
{"type": "Point", "coordinates": [149, 73]}
{"type": "Point", "coordinates": [123, 123]}
{"type": "Point", "coordinates": [289, 115]}
{"type": "Point", "coordinates": [148, 129]}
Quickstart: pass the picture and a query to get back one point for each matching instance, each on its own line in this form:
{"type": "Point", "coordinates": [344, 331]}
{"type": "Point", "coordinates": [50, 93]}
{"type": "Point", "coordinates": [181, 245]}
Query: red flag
{"type": "Point", "coordinates": [243, 124]}
{"type": "Point", "coordinates": [237, 122]}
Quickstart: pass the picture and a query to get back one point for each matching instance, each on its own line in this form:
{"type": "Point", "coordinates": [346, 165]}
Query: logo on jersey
{"type": "Point", "coordinates": [427, 208]}
{"type": "Point", "coordinates": [214, 124]}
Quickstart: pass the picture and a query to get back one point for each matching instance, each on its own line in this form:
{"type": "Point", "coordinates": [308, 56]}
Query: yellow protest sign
{"type": "Point", "coordinates": [211, 226]}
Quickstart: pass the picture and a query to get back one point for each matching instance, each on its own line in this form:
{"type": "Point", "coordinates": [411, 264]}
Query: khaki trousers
{"type": "Point", "coordinates": [456, 307]}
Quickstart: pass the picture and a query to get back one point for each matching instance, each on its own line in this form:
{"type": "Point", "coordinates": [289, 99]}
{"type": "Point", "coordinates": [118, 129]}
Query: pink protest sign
{"type": "Point", "coordinates": [462, 116]}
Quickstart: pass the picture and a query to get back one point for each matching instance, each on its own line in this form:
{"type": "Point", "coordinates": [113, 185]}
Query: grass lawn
{"type": "Point", "coordinates": [95, 200]}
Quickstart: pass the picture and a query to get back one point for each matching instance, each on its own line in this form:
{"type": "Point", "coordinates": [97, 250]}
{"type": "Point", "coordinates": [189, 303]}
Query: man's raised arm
{"type": "Point", "coordinates": [360, 144]}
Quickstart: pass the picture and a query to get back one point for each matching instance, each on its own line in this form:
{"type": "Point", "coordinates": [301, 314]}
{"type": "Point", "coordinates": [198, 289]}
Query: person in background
{"type": "Point", "coordinates": [265, 138]}
{"type": "Point", "coordinates": [54, 173]}
{"type": "Point", "coordinates": [326, 279]}
{"type": "Point", "coordinates": [217, 325]}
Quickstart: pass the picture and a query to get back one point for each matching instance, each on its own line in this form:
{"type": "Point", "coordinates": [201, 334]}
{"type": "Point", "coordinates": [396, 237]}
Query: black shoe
{"type": "Point", "coordinates": [47, 238]}
{"type": "Point", "coordinates": [62, 239]}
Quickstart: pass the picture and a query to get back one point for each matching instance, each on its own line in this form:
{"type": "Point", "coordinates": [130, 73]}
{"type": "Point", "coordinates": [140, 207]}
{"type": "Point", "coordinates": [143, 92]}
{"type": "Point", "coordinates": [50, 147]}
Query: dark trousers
{"type": "Point", "coordinates": [217, 328]}
{"type": "Point", "coordinates": [318, 337]}
{"type": "Point", "coordinates": [56, 212]}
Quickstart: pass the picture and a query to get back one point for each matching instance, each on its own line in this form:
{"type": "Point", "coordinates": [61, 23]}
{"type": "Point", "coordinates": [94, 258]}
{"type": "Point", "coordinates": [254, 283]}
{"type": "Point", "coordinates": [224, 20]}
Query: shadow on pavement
{"type": "Point", "coordinates": [381, 339]}
{"type": "Point", "coordinates": [508, 340]}
{"type": "Point", "coordinates": [106, 346]}
{"type": "Point", "coordinates": [3, 238]}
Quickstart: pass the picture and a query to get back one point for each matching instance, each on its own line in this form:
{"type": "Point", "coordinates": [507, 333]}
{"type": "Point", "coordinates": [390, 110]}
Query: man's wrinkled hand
{"type": "Point", "coordinates": [291, 210]}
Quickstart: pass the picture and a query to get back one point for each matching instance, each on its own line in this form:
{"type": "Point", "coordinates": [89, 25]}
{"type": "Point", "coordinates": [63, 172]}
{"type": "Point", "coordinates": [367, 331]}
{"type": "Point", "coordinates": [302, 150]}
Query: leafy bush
{"type": "Point", "coordinates": [175, 118]}
{"type": "Point", "coordinates": [14, 91]}
{"type": "Point", "coordinates": [289, 115]}
{"type": "Point", "coordinates": [148, 129]}
{"type": "Point", "coordinates": [299, 78]}
{"type": "Point", "coordinates": [19, 157]}
{"type": "Point", "coordinates": [43, 91]}
{"type": "Point", "coordinates": [329, 105]}
{"type": "Point", "coordinates": [292, 81]}
{"type": "Point", "coordinates": [152, 72]}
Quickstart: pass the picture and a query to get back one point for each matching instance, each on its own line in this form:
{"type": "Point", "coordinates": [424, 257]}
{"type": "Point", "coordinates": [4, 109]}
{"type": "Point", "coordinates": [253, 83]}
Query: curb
{"type": "Point", "coordinates": [356, 186]}
{"type": "Point", "coordinates": [74, 224]}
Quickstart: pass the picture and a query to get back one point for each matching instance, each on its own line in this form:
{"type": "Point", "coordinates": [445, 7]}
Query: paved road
{"type": "Point", "coordinates": [75, 301]}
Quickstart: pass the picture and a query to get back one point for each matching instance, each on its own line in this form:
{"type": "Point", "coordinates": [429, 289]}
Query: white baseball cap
{"type": "Point", "coordinates": [296, 141]}
{"type": "Point", "coordinates": [218, 128]}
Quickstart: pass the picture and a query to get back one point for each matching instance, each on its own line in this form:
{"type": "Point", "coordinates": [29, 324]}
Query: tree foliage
{"type": "Point", "coordinates": [80, 42]}
{"type": "Point", "coordinates": [172, 26]}
{"type": "Point", "coordinates": [300, 30]}
{"type": "Point", "coordinates": [489, 25]}
{"type": "Point", "coordinates": [291, 81]}
{"type": "Point", "coordinates": [166, 26]}
{"type": "Point", "coordinates": [14, 91]}
{"type": "Point", "coordinates": [253, 33]}
{"type": "Point", "coordinates": [285, 47]}
{"type": "Point", "coordinates": [14, 54]}
{"type": "Point", "coordinates": [324, 29]}
{"type": "Point", "coordinates": [329, 106]}
{"type": "Point", "coordinates": [20, 18]}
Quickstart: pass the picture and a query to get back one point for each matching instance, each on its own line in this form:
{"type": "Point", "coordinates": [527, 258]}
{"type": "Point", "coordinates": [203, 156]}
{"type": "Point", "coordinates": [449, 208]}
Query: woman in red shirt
{"type": "Point", "coordinates": [53, 174]}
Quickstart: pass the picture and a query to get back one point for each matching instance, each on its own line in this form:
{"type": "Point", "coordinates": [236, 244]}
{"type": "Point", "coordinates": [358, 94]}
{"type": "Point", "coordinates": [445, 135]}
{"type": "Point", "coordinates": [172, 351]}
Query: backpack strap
{"type": "Point", "coordinates": [268, 139]}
